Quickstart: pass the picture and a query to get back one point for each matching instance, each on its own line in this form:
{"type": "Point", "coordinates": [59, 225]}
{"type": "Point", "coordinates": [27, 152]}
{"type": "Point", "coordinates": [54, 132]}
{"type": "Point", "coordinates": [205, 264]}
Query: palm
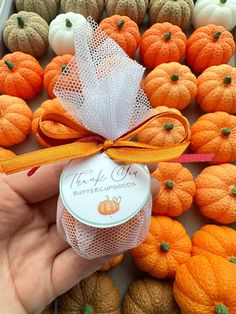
{"type": "Point", "coordinates": [36, 264]}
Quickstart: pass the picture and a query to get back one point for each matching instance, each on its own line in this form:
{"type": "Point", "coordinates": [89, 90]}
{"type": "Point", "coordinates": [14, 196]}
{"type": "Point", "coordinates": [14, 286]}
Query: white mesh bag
{"type": "Point", "coordinates": [100, 88]}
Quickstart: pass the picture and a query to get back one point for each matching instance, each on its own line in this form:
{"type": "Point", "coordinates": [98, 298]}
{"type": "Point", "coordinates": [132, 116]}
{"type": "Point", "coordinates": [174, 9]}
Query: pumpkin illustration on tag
{"type": "Point", "coordinates": [109, 207]}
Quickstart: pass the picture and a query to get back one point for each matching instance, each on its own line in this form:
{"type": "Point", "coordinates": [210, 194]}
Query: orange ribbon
{"type": "Point", "coordinates": [122, 150]}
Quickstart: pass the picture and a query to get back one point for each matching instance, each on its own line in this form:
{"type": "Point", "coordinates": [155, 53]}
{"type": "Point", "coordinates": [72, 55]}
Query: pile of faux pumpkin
{"type": "Point", "coordinates": [180, 269]}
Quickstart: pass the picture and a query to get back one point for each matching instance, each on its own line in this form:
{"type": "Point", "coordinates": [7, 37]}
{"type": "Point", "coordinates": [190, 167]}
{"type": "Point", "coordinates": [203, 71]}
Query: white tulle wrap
{"type": "Point", "coordinates": [100, 88]}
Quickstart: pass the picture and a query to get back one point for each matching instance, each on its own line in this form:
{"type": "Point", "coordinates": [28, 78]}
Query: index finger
{"type": "Point", "coordinates": [43, 184]}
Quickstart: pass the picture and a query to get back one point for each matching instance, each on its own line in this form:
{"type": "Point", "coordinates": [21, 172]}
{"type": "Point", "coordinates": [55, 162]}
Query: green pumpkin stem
{"type": "Point", "coordinates": [223, 1]}
{"type": "Point", "coordinates": [63, 67]}
{"type": "Point", "coordinates": [233, 260]}
{"type": "Point", "coordinates": [120, 24]}
{"type": "Point", "coordinates": [216, 36]}
{"type": "Point", "coordinates": [169, 184]}
{"type": "Point", "coordinates": [164, 247]}
{"type": "Point", "coordinates": [227, 80]}
{"type": "Point", "coordinates": [87, 309]}
{"type": "Point", "coordinates": [9, 64]}
{"type": "Point", "coordinates": [221, 309]}
{"type": "Point", "coordinates": [107, 197]}
{"type": "Point", "coordinates": [233, 191]}
{"type": "Point", "coordinates": [168, 126]}
{"type": "Point", "coordinates": [175, 77]}
{"type": "Point", "coordinates": [225, 132]}
{"type": "Point", "coordinates": [20, 22]}
{"type": "Point", "coordinates": [68, 23]}
{"type": "Point", "coordinates": [167, 36]}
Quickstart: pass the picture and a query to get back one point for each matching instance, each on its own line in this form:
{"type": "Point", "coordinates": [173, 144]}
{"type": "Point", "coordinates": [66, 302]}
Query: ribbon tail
{"type": "Point", "coordinates": [146, 155]}
{"type": "Point", "coordinates": [49, 155]}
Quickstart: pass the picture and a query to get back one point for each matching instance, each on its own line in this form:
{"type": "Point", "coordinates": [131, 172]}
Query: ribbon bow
{"type": "Point", "coordinates": [79, 143]}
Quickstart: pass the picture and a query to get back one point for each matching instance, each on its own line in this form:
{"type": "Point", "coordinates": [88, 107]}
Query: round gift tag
{"type": "Point", "coordinates": [101, 193]}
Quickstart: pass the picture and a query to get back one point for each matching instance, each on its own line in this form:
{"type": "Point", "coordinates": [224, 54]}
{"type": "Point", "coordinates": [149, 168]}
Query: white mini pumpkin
{"type": "Point", "coordinates": [61, 29]}
{"type": "Point", "coordinates": [219, 12]}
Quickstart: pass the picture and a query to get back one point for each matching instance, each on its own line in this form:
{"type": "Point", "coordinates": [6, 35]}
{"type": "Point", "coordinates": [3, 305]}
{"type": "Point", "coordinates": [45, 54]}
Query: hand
{"type": "Point", "coordinates": [37, 265]}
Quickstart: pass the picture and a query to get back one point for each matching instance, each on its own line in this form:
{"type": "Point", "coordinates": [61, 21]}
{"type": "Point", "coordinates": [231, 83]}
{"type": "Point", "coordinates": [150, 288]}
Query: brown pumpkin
{"type": "Point", "coordinates": [95, 294]}
{"type": "Point", "coordinates": [215, 240]}
{"type": "Point", "coordinates": [149, 296]}
{"type": "Point", "coordinates": [26, 32]}
{"type": "Point", "coordinates": [93, 8]}
{"type": "Point", "coordinates": [134, 9]}
{"type": "Point", "coordinates": [178, 12]}
{"type": "Point", "coordinates": [15, 120]}
{"type": "Point", "coordinates": [49, 309]}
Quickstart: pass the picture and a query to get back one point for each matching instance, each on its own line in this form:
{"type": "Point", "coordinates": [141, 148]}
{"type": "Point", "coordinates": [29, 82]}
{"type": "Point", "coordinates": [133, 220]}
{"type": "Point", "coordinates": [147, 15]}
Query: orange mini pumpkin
{"type": "Point", "coordinates": [206, 285]}
{"type": "Point", "coordinates": [215, 133]}
{"type": "Point", "coordinates": [209, 45]}
{"type": "Point", "coordinates": [114, 262]}
{"type": "Point", "coordinates": [109, 207]}
{"type": "Point", "coordinates": [166, 246]}
{"type": "Point", "coordinates": [21, 75]}
{"type": "Point", "coordinates": [52, 106]}
{"type": "Point", "coordinates": [53, 71]}
{"type": "Point", "coordinates": [124, 31]}
{"type": "Point", "coordinates": [172, 85]}
{"type": "Point", "coordinates": [177, 189]}
{"type": "Point", "coordinates": [5, 153]}
{"type": "Point", "coordinates": [215, 240]}
{"type": "Point", "coordinates": [162, 43]}
{"type": "Point", "coordinates": [15, 120]}
{"type": "Point", "coordinates": [216, 192]}
{"type": "Point", "coordinates": [165, 130]}
{"type": "Point", "coordinates": [217, 89]}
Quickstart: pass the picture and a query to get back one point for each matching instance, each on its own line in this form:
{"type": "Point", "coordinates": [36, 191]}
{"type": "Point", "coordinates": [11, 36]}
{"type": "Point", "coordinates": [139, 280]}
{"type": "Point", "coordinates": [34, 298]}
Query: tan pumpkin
{"type": "Point", "coordinates": [95, 294]}
{"type": "Point", "coordinates": [178, 12]}
{"type": "Point", "coordinates": [47, 9]}
{"type": "Point", "coordinates": [93, 8]}
{"type": "Point", "coordinates": [149, 296]}
{"type": "Point", "coordinates": [134, 9]}
{"type": "Point", "coordinates": [109, 207]}
{"type": "Point", "coordinates": [26, 32]}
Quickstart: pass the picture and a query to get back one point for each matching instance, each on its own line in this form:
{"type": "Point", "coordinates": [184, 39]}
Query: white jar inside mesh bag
{"type": "Point", "coordinates": [104, 207]}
